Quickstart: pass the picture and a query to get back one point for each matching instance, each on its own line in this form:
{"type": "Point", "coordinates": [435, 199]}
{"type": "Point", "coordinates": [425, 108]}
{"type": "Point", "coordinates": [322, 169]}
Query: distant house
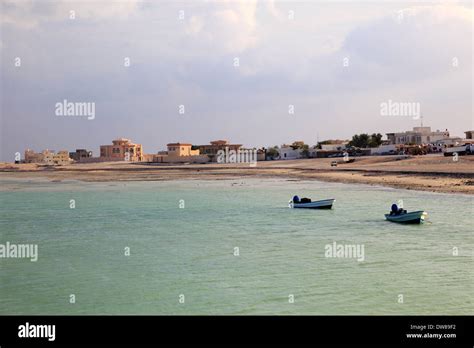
{"type": "Point", "coordinates": [34, 157]}
{"type": "Point", "coordinates": [181, 149]}
{"type": "Point", "coordinates": [417, 136]}
{"type": "Point", "coordinates": [330, 148]}
{"type": "Point", "coordinates": [215, 146]}
{"type": "Point", "coordinates": [60, 158]}
{"type": "Point", "coordinates": [288, 153]}
{"type": "Point", "coordinates": [469, 134]}
{"type": "Point", "coordinates": [80, 155]}
{"type": "Point", "coordinates": [121, 149]}
{"type": "Point", "coordinates": [180, 153]}
{"type": "Point", "coordinates": [334, 147]}
{"type": "Point", "coordinates": [47, 157]}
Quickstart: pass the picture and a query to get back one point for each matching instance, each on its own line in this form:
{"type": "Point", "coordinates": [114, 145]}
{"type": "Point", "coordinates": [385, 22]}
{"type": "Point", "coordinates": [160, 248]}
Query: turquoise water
{"type": "Point", "coordinates": [190, 250]}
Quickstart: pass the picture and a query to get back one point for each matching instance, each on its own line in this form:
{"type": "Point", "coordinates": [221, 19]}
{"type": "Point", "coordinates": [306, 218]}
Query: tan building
{"type": "Point", "coordinates": [469, 134]}
{"type": "Point", "coordinates": [215, 146]}
{"type": "Point", "coordinates": [60, 158]}
{"type": "Point", "coordinates": [180, 153]}
{"type": "Point", "coordinates": [181, 149]}
{"type": "Point", "coordinates": [47, 157]}
{"type": "Point", "coordinates": [122, 149]}
{"type": "Point", "coordinates": [34, 157]}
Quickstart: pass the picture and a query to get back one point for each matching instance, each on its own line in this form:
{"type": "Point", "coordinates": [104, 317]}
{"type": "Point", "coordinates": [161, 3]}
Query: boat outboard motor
{"type": "Point", "coordinates": [394, 209]}
{"type": "Point", "coordinates": [296, 199]}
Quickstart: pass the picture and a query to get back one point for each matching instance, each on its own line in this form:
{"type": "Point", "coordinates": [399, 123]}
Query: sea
{"type": "Point", "coordinates": [232, 247]}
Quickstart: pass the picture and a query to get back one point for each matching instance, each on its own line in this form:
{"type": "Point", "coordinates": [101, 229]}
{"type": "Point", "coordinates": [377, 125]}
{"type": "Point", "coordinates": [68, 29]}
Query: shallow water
{"type": "Point", "coordinates": [190, 250]}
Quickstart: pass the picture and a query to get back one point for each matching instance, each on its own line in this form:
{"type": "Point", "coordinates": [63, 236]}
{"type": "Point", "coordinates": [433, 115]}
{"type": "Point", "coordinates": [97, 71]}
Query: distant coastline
{"type": "Point", "coordinates": [427, 173]}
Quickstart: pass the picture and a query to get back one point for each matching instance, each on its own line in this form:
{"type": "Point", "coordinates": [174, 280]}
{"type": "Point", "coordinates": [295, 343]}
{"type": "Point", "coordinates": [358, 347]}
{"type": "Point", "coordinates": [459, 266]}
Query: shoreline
{"type": "Point", "coordinates": [425, 173]}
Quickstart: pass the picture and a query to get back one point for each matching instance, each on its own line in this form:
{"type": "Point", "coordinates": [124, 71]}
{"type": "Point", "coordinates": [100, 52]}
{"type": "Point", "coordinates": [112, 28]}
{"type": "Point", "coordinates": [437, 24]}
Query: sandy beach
{"type": "Point", "coordinates": [430, 173]}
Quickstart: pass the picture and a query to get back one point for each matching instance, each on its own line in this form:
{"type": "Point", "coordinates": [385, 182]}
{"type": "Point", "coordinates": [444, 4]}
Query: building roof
{"type": "Point", "coordinates": [210, 146]}
{"type": "Point", "coordinates": [179, 144]}
{"type": "Point", "coordinates": [420, 130]}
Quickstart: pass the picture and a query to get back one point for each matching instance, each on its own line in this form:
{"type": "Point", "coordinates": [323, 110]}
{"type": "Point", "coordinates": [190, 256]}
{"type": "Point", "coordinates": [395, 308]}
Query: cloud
{"type": "Point", "coordinates": [225, 27]}
{"type": "Point", "coordinates": [29, 14]}
{"type": "Point", "coordinates": [420, 45]}
{"type": "Point", "coordinates": [190, 61]}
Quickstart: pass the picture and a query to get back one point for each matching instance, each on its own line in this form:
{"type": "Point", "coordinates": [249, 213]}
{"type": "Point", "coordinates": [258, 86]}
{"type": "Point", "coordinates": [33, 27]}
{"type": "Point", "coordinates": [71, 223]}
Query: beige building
{"type": "Point", "coordinates": [34, 157]}
{"type": "Point", "coordinates": [47, 157]}
{"type": "Point", "coordinates": [215, 146]}
{"type": "Point", "coordinates": [181, 149]}
{"type": "Point", "coordinates": [60, 158]}
{"type": "Point", "coordinates": [180, 153]}
{"type": "Point", "coordinates": [121, 150]}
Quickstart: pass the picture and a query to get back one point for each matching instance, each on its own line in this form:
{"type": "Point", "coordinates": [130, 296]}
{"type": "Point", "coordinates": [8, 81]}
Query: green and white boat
{"type": "Point", "coordinates": [414, 217]}
{"type": "Point", "coordinates": [306, 203]}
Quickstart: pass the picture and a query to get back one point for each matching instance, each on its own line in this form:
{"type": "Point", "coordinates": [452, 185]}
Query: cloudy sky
{"type": "Point", "coordinates": [336, 62]}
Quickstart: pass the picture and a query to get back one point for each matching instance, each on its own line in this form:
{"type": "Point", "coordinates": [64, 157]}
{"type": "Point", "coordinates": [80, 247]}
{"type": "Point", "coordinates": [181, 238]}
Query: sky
{"type": "Point", "coordinates": [237, 67]}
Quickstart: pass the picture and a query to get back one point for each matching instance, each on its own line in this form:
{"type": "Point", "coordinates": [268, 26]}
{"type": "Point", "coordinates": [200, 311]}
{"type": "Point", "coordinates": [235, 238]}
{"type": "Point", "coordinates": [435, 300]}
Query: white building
{"type": "Point", "coordinates": [333, 147]}
{"type": "Point", "coordinates": [449, 142]}
{"type": "Point", "coordinates": [418, 136]}
{"type": "Point", "coordinates": [287, 153]}
{"type": "Point", "coordinates": [383, 149]}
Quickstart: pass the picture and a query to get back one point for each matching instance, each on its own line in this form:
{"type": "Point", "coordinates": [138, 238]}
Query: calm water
{"type": "Point", "coordinates": [190, 251]}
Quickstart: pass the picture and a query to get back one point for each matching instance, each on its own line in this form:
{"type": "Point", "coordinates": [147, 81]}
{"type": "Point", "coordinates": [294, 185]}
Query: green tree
{"type": "Point", "coordinates": [305, 151]}
{"type": "Point", "coordinates": [297, 145]}
{"type": "Point", "coordinates": [273, 152]}
{"type": "Point", "coordinates": [360, 140]}
{"type": "Point", "coordinates": [364, 140]}
{"type": "Point", "coordinates": [375, 140]}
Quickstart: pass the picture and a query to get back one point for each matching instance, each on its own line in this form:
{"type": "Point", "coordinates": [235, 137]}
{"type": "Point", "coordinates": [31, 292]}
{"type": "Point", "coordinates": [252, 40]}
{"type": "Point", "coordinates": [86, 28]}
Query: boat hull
{"type": "Point", "coordinates": [322, 204]}
{"type": "Point", "coordinates": [416, 217]}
